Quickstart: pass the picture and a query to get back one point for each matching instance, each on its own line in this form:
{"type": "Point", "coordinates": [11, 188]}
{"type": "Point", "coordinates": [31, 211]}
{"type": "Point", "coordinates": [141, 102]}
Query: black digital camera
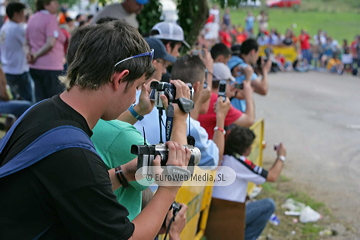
{"type": "Point", "coordinates": [175, 207]}
{"type": "Point", "coordinates": [167, 89]}
{"type": "Point", "coordinates": [147, 153]}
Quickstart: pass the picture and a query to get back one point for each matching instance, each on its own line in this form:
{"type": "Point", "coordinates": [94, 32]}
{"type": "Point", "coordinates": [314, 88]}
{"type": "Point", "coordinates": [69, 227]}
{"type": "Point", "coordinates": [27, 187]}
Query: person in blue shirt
{"type": "Point", "coordinates": [248, 56]}
{"type": "Point", "coordinates": [249, 22]}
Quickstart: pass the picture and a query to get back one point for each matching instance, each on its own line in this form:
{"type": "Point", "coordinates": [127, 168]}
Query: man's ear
{"type": "Point", "coordinates": [117, 78]}
{"type": "Point", "coordinates": [168, 47]}
{"type": "Point", "coordinates": [248, 151]}
{"type": "Point", "coordinates": [220, 58]}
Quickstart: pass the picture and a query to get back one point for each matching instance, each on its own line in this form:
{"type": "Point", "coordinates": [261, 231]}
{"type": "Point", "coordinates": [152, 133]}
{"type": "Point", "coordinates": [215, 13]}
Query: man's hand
{"type": "Point", "coordinates": [145, 105]}
{"type": "Point", "coordinates": [207, 59]}
{"type": "Point", "coordinates": [182, 91]}
{"type": "Point", "coordinates": [221, 108]}
{"type": "Point", "coordinates": [281, 150]}
{"type": "Point", "coordinates": [30, 57]}
{"type": "Point", "coordinates": [248, 71]}
{"type": "Point", "coordinates": [178, 156]}
{"type": "Point", "coordinates": [266, 68]}
{"type": "Point", "coordinates": [179, 222]}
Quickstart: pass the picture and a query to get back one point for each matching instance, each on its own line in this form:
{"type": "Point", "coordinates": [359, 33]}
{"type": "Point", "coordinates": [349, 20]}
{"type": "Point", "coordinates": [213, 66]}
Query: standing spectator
{"type": "Point", "coordinates": [127, 10]}
{"type": "Point", "coordinates": [46, 44]}
{"type": "Point", "coordinates": [224, 36]}
{"type": "Point", "coordinates": [328, 52]}
{"type": "Point", "coordinates": [79, 18]}
{"type": "Point", "coordinates": [63, 15]}
{"type": "Point", "coordinates": [227, 18]}
{"type": "Point", "coordinates": [305, 46]}
{"type": "Point", "coordinates": [320, 38]}
{"type": "Point", "coordinates": [288, 40]}
{"type": "Point", "coordinates": [355, 51]}
{"type": "Point", "coordinates": [249, 22]}
{"type": "Point", "coordinates": [211, 31]}
{"type": "Point", "coordinates": [263, 19]}
{"type": "Point", "coordinates": [13, 56]}
{"type": "Point", "coordinates": [66, 30]}
{"type": "Point", "coordinates": [216, 13]}
{"type": "Point", "coordinates": [89, 18]}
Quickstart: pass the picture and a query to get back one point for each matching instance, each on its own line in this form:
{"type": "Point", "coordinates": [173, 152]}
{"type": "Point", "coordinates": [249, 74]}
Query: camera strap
{"type": "Point", "coordinates": [169, 121]}
{"type": "Point", "coordinates": [185, 105]}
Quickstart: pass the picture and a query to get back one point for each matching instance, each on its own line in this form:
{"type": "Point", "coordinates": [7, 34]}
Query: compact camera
{"type": "Point", "coordinates": [239, 85]}
{"type": "Point", "coordinates": [167, 89]}
{"type": "Point", "coordinates": [147, 153]}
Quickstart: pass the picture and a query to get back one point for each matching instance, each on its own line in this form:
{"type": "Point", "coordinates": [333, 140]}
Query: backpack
{"type": "Point", "coordinates": [55, 139]}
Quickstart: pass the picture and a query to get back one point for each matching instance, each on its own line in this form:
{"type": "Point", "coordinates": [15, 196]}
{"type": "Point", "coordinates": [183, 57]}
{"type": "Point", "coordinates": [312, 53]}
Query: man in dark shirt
{"type": "Point", "coordinates": [69, 194]}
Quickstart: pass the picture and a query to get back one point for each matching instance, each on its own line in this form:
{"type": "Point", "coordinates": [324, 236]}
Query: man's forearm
{"type": "Point", "coordinates": [179, 131]}
{"type": "Point", "coordinates": [275, 170]}
{"type": "Point", "coordinates": [149, 221]}
{"type": "Point", "coordinates": [50, 42]}
{"type": "Point", "coordinates": [261, 87]}
{"type": "Point", "coordinates": [250, 110]}
{"type": "Point", "coordinates": [219, 137]}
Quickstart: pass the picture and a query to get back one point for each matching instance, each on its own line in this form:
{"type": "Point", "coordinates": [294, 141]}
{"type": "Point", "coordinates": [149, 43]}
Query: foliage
{"type": "Point", "coordinates": [149, 16]}
{"type": "Point", "coordinates": [192, 17]}
{"type": "Point", "coordinates": [31, 3]}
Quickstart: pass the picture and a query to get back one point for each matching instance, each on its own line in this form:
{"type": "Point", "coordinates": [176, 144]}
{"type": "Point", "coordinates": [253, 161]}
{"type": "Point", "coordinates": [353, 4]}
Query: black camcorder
{"type": "Point", "coordinates": [167, 89]}
{"type": "Point", "coordinates": [147, 153]}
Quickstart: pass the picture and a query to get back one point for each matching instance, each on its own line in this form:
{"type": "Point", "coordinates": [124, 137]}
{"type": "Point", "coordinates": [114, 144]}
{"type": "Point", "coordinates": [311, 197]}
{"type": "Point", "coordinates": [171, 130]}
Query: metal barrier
{"type": "Point", "coordinates": [198, 198]}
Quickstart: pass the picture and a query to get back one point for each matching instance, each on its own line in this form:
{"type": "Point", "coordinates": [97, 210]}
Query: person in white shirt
{"type": "Point", "coordinates": [127, 11]}
{"type": "Point", "coordinates": [12, 50]}
{"type": "Point", "coordinates": [216, 12]}
{"type": "Point", "coordinates": [237, 147]}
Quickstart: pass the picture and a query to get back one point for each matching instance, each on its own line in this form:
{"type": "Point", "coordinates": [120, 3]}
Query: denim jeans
{"type": "Point", "coordinates": [15, 107]}
{"type": "Point", "coordinates": [257, 215]}
{"type": "Point", "coordinates": [306, 53]}
{"type": "Point", "coordinates": [20, 85]}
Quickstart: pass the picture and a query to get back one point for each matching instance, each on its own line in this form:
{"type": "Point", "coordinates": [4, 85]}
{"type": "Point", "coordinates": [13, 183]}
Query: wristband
{"type": "Point", "coordinates": [134, 113]}
{"type": "Point", "coordinates": [121, 177]}
{"type": "Point", "coordinates": [220, 129]}
{"type": "Point", "coordinates": [282, 158]}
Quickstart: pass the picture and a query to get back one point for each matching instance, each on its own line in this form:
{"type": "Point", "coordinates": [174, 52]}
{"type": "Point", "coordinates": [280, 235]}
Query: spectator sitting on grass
{"type": "Point", "coordinates": [237, 148]}
{"type": "Point", "coordinates": [335, 65]}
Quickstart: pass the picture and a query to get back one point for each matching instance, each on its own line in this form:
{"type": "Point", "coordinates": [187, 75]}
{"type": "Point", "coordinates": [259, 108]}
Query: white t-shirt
{"type": "Point", "coordinates": [116, 11]}
{"type": "Point", "coordinates": [216, 13]}
{"type": "Point", "coordinates": [208, 148]}
{"type": "Point", "coordinates": [212, 31]}
{"type": "Point", "coordinates": [12, 48]}
{"type": "Point", "coordinates": [246, 172]}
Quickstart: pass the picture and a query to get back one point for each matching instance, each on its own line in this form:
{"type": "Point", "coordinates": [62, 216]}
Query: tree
{"type": "Point", "coordinates": [149, 16]}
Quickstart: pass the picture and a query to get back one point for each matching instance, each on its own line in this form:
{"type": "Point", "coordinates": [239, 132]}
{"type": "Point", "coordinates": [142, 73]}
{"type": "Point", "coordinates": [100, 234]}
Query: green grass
{"type": "Point", "coordinates": [340, 18]}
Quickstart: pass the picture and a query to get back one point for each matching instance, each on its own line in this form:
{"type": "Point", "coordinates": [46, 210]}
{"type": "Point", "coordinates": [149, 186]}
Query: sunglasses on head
{"type": "Point", "coordinates": [150, 54]}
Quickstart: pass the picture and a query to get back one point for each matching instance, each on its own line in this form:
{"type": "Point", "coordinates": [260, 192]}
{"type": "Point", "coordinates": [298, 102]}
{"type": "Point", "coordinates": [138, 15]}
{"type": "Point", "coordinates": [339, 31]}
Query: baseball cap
{"type": "Point", "coordinates": [159, 50]}
{"type": "Point", "coordinates": [170, 31]}
{"type": "Point", "coordinates": [142, 2]}
{"type": "Point", "coordinates": [222, 72]}
{"type": "Point", "coordinates": [234, 61]}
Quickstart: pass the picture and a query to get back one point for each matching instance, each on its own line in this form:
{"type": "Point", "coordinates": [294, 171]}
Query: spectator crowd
{"type": "Point", "coordinates": [319, 52]}
{"type": "Point", "coordinates": [91, 78]}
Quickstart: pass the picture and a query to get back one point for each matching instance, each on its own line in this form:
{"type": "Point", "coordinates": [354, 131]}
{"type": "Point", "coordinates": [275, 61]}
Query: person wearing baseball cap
{"type": "Point", "coordinates": [208, 121]}
{"type": "Point", "coordinates": [172, 36]}
{"type": "Point", "coordinates": [127, 11]}
{"type": "Point", "coordinates": [161, 58]}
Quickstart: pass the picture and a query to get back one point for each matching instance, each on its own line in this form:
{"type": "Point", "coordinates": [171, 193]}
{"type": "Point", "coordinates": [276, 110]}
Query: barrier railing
{"type": "Point", "coordinates": [198, 198]}
{"type": "Point", "coordinates": [289, 53]}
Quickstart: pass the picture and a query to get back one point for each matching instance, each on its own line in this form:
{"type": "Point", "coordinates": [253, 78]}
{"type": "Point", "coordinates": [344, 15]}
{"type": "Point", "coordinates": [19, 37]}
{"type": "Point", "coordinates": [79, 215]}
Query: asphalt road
{"type": "Point", "coordinates": [317, 117]}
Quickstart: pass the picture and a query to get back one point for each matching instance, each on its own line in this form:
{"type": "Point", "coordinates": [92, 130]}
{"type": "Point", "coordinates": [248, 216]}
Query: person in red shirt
{"type": "Point", "coordinates": [234, 116]}
{"type": "Point", "coordinates": [225, 36]}
{"type": "Point", "coordinates": [305, 46]}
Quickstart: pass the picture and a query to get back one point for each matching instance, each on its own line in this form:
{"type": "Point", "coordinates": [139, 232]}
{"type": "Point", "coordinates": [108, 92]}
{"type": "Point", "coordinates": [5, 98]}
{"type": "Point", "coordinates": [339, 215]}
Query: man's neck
{"type": "Point", "coordinates": [86, 103]}
{"type": "Point", "coordinates": [14, 20]}
{"type": "Point", "coordinates": [245, 58]}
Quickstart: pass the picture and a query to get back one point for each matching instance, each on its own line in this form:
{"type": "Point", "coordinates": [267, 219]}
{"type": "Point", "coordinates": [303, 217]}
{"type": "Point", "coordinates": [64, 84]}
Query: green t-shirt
{"type": "Point", "coordinates": [113, 140]}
